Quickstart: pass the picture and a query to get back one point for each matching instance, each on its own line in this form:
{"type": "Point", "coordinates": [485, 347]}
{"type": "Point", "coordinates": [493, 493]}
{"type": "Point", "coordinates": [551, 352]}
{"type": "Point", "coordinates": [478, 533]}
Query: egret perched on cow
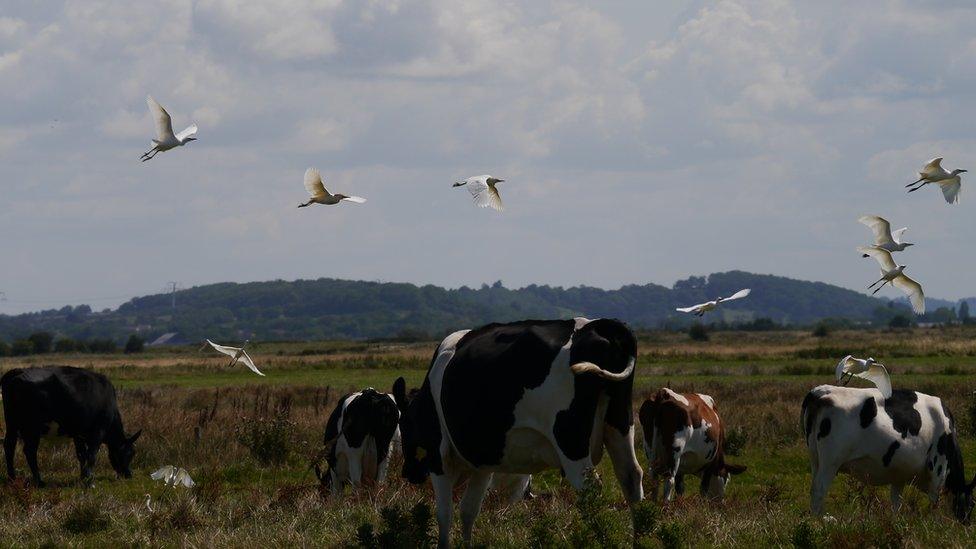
{"type": "Point", "coordinates": [865, 368]}
{"type": "Point", "coordinates": [949, 182]}
{"type": "Point", "coordinates": [894, 274]}
{"type": "Point", "coordinates": [318, 193]}
{"type": "Point", "coordinates": [165, 139]}
{"type": "Point", "coordinates": [883, 237]}
{"type": "Point", "coordinates": [702, 308]}
{"type": "Point", "coordinates": [173, 476]}
{"type": "Point", "coordinates": [237, 354]}
{"type": "Point", "coordinates": [482, 188]}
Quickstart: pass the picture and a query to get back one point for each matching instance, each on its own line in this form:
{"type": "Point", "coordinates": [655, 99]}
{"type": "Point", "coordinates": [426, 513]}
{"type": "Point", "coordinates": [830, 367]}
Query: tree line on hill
{"type": "Point", "coordinates": [344, 309]}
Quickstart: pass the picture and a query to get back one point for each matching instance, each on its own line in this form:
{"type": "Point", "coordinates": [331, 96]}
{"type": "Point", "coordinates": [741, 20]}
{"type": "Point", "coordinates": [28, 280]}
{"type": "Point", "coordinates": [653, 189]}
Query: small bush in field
{"type": "Point", "coordinates": [543, 531]}
{"type": "Point", "coordinates": [598, 524]}
{"type": "Point", "coordinates": [697, 332]}
{"type": "Point", "coordinates": [85, 516]}
{"type": "Point", "coordinates": [821, 330]}
{"type": "Point", "coordinates": [806, 536]}
{"type": "Point", "coordinates": [269, 440]}
{"type": "Point", "coordinates": [736, 439]}
{"type": "Point", "coordinates": [646, 515]}
{"type": "Point", "coordinates": [671, 535]}
{"type": "Point", "coordinates": [400, 529]}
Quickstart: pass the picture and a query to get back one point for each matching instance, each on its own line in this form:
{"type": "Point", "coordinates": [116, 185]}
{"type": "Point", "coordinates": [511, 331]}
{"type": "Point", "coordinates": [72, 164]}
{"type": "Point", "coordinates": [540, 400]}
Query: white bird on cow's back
{"type": "Point", "coordinates": [318, 193]}
{"type": "Point", "coordinates": [172, 476]}
{"type": "Point", "coordinates": [482, 188]}
{"type": "Point", "coordinates": [165, 139]}
{"type": "Point", "coordinates": [702, 308]}
{"type": "Point", "coordinates": [883, 237]}
{"type": "Point", "coordinates": [893, 274]}
{"type": "Point", "coordinates": [949, 182]}
{"type": "Point", "coordinates": [237, 354]}
{"type": "Point", "coordinates": [865, 368]}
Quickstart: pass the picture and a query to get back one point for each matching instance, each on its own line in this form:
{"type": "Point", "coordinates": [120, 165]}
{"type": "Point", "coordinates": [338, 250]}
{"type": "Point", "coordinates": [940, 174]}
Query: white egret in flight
{"type": "Point", "coordinates": [318, 194]}
{"type": "Point", "coordinates": [893, 274]}
{"type": "Point", "coordinates": [237, 354]}
{"type": "Point", "coordinates": [703, 308]}
{"type": "Point", "coordinates": [865, 368]}
{"type": "Point", "coordinates": [165, 140]}
{"type": "Point", "coordinates": [883, 237]}
{"type": "Point", "coordinates": [482, 188]}
{"type": "Point", "coordinates": [172, 476]}
{"type": "Point", "coordinates": [949, 182]}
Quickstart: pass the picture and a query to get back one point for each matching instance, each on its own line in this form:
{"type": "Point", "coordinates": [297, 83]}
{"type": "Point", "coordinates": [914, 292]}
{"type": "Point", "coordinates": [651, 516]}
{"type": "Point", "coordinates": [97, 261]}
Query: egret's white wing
{"type": "Point", "coordinates": [183, 479]}
{"type": "Point", "coordinates": [479, 190]}
{"type": "Point", "coordinates": [881, 255]}
{"type": "Point", "coordinates": [190, 131]}
{"type": "Point", "coordinates": [914, 291]}
{"type": "Point", "coordinates": [313, 183]}
{"type": "Point", "coordinates": [738, 295]}
{"type": "Point", "coordinates": [950, 189]}
{"type": "Point", "coordinates": [163, 472]}
{"type": "Point", "coordinates": [933, 166]}
{"type": "Point", "coordinates": [843, 365]}
{"type": "Point", "coordinates": [880, 227]}
{"type": "Point", "coordinates": [495, 199]}
{"type": "Point", "coordinates": [878, 375]}
{"type": "Point", "coordinates": [246, 359]}
{"type": "Point", "coordinates": [691, 309]}
{"type": "Point", "coordinates": [164, 126]}
{"type": "Point", "coordinates": [356, 199]}
{"type": "Point", "coordinates": [229, 351]}
{"type": "Point", "coordinates": [897, 235]}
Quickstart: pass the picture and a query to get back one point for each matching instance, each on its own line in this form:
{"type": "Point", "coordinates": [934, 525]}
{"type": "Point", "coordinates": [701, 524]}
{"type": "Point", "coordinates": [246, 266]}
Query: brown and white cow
{"type": "Point", "coordinates": [683, 434]}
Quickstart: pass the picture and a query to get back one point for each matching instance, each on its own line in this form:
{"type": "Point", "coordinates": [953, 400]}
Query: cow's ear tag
{"type": "Point", "coordinates": [421, 453]}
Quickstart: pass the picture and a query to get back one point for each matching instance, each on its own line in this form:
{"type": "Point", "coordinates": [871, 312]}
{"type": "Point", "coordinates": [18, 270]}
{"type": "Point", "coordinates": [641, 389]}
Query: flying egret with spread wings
{"type": "Point", "coordinates": [165, 139]}
{"type": "Point", "coordinates": [482, 188]}
{"type": "Point", "coordinates": [237, 354]}
{"type": "Point", "coordinates": [703, 308]}
{"type": "Point", "coordinates": [172, 476]}
{"type": "Point", "coordinates": [883, 236]}
{"type": "Point", "coordinates": [893, 274]}
{"type": "Point", "coordinates": [318, 194]}
{"type": "Point", "coordinates": [865, 368]}
{"type": "Point", "coordinates": [949, 182]}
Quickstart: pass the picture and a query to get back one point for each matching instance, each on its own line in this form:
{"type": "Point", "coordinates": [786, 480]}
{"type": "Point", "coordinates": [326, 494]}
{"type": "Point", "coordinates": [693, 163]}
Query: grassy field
{"type": "Point", "coordinates": [218, 422]}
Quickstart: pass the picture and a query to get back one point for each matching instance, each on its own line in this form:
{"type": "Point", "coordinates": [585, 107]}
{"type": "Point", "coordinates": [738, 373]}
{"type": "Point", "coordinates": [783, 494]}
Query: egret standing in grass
{"type": "Point", "coordinates": [165, 139]}
{"type": "Point", "coordinates": [893, 274]}
{"type": "Point", "coordinates": [316, 189]}
{"type": "Point", "coordinates": [883, 237]}
{"type": "Point", "coordinates": [482, 188]}
{"type": "Point", "coordinates": [865, 368]}
{"type": "Point", "coordinates": [237, 354]}
{"type": "Point", "coordinates": [949, 182]}
{"type": "Point", "coordinates": [702, 308]}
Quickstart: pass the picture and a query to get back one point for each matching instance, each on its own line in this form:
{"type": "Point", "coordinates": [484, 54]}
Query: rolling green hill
{"type": "Point", "coordinates": [330, 308]}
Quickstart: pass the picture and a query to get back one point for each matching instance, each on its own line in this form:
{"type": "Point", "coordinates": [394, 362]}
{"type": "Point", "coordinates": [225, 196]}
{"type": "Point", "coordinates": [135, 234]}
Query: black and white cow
{"type": "Point", "coordinates": [909, 438]}
{"type": "Point", "coordinates": [359, 436]}
{"type": "Point", "coordinates": [62, 401]}
{"type": "Point", "coordinates": [519, 398]}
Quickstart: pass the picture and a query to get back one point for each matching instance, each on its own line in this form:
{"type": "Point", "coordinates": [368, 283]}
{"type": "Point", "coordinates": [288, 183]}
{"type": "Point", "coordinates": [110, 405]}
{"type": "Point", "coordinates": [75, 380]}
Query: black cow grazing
{"type": "Point", "coordinates": [520, 398]}
{"type": "Point", "coordinates": [62, 401]}
{"type": "Point", "coordinates": [359, 434]}
{"type": "Point", "coordinates": [909, 438]}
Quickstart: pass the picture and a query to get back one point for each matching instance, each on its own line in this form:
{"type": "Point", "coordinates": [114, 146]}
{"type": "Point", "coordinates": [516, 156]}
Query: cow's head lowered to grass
{"type": "Point", "coordinates": [121, 452]}
{"type": "Point", "coordinates": [414, 410]}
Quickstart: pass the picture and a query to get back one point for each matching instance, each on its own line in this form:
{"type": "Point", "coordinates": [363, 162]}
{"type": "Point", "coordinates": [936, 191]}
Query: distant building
{"type": "Point", "coordinates": [171, 338]}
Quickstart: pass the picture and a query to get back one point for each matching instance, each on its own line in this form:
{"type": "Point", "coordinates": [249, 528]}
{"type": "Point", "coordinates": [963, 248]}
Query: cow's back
{"type": "Point", "coordinates": [74, 398]}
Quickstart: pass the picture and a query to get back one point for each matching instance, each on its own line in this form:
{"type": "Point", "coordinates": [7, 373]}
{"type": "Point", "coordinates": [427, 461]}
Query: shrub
{"type": "Point", "coordinates": [268, 439]}
{"type": "Point", "coordinates": [22, 347]}
{"type": "Point", "coordinates": [697, 332]}
{"type": "Point", "coordinates": [821, 330]}
{"type": "Point", "coordinates": [42, 342]}
{"type": "Point", "coordinates": [646, 515]}
{"type": "Point", "coordinates": [84, 516]}
{"type": "Point", "coordinates": [65, 345]}
{"type": "Point", "coordinates": [671, 535]}
{"type": "Point", "coordinates": [102, 345]}
{"type": "Point", "coordinates": [598, 524]}
{"type": "Point", "coordinates": [805, 536]}
{"type": "Point", "coordinates": [735, 440]}
{"type": "Point", "coordinates": [4, 348]}
{"type": "Point", "coordinates": [400, 529]}
{"type": "Point", "coordinates": [900, 321]}
{"type": "Point", "coordinates": [134, 344]}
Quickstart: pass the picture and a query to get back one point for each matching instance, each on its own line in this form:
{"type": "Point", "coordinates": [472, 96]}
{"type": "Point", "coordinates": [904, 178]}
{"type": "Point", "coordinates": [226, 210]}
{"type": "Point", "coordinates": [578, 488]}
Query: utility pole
{"type": "Point", "coordinates": [173, 286]}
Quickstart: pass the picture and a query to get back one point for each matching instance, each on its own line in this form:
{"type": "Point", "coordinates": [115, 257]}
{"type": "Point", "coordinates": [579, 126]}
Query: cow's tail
{"type": "Point", "coordinates": [590, 368]}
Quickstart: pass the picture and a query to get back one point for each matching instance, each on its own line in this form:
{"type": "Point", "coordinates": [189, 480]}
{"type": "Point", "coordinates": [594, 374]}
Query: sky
{"type": "Point", "coordinates": [639, 142]}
